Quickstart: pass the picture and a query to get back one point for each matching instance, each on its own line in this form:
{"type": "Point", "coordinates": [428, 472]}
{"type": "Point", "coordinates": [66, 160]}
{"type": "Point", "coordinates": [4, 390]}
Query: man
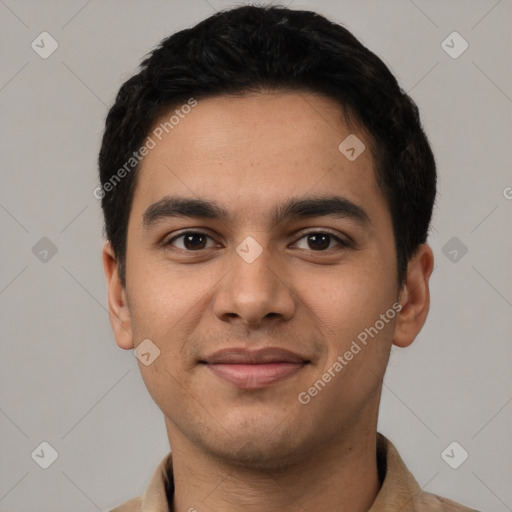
{"type": "Point", "coordinates": [267, 190]}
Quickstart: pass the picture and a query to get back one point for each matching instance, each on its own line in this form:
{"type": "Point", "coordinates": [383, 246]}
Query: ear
{"type": "Point", "coordinates": [414, 297]}
{"type": "Point", "coordinates": [119, 312]}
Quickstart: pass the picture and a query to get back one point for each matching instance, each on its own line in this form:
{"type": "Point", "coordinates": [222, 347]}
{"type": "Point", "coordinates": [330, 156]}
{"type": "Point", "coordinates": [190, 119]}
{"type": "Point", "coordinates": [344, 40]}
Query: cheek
{"type": "Point", "coordinates": [163, 301]}
{"type": "Point", "coordinates": [348, 303]}
{"type": "Point", "coordinates": [357, 340]}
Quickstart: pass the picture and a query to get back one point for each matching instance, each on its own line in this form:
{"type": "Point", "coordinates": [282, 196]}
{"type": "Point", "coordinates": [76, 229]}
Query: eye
{"type": "Point", "coordinates": [191, 241]}
{"type": "Point", "coordinates": [320, 241]}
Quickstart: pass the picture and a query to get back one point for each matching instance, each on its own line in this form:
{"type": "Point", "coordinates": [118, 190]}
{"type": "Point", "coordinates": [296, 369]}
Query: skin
{"type": "Point", "coordinates": [253, 450]}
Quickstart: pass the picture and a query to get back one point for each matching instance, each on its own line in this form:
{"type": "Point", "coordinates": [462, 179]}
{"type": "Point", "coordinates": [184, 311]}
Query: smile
{"type": "Point", "coordinates": [254, 369]}
{"type": "Point", "coordinates": [254, 376]}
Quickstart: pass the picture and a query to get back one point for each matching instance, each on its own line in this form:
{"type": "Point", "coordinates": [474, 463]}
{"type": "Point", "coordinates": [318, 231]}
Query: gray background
{"type": "Point", "coordinates": [64, 380]}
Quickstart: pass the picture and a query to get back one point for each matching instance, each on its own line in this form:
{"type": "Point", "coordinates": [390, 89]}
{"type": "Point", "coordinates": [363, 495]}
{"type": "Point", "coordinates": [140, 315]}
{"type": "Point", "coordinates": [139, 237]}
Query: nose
{"type": "Point", "coordinates": [254, 292]}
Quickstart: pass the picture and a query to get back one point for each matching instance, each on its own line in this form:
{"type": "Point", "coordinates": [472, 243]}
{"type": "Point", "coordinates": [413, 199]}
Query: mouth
{"type": "Point", "coordinates": [256, 368]}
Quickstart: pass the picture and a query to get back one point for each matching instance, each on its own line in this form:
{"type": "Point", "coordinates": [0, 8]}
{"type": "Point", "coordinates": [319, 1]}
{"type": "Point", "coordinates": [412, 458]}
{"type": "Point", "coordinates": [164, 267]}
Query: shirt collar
{"type": "Point", "coordinates": [397, 492]}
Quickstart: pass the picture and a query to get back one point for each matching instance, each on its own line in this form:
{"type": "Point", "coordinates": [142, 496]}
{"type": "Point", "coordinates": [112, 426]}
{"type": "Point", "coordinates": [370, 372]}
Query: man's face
{"type": "Point", "coordinates": [323, 276]}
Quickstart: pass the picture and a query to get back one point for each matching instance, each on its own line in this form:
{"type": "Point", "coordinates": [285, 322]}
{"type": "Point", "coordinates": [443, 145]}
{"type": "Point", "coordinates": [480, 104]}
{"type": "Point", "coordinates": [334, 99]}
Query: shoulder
{"type": "Point", "coordinates": [133, 505]}
{"type": "Point", "coordinates": [427, 502]}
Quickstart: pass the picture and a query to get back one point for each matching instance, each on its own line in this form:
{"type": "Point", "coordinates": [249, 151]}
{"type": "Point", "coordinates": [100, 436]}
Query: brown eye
{"type": "Point", "coordinates": [320, 241]}
{"type": "Point", "coordinates": [190, 241]}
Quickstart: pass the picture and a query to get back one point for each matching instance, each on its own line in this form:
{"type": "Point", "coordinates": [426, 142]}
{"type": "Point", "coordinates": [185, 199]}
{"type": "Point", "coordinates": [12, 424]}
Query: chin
{"type": "Point", "coordinates": [260, 456]}
{"type": "Point", "coordinates": [259, 446]}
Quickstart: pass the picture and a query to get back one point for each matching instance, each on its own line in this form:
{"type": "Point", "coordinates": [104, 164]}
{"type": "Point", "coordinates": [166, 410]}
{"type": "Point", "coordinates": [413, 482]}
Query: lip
{"type": "Point", "coordinates": [253, 369]}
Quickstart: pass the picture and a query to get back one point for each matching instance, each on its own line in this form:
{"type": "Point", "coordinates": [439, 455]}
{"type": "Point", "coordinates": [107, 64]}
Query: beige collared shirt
{"type": "Point", "coordinates": [399, 492]}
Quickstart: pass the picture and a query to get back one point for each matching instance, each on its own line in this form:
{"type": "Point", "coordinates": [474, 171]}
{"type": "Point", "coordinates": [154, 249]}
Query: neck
{"type": "Point", "coordinates": [340, 476]}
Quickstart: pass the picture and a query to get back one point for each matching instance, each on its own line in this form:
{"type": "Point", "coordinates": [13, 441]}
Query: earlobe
{"type": "Point", "coordinates": [119, 312]}
{"type": "Point", "coordinates": [414, 297]}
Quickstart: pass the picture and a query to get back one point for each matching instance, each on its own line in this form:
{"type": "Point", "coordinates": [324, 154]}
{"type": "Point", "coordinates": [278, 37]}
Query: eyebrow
{"type": "Point", "coordinates": [292, 209]}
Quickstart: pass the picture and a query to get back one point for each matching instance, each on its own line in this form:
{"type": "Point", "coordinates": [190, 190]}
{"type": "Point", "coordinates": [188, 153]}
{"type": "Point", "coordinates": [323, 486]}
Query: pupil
{"type": "Point", "coordinates": [194, 241]}
{"type": "Point", "coordinates": [317, 242]}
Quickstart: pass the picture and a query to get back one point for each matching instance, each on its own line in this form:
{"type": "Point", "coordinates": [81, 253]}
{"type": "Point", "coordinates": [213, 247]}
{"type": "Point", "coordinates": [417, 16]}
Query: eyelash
{"type": "Point", "coordinates": [343, 243]}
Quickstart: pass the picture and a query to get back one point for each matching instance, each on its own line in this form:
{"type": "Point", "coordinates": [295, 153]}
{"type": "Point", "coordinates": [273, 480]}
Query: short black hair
{"type": "Point", "coordinates": [250, 49]}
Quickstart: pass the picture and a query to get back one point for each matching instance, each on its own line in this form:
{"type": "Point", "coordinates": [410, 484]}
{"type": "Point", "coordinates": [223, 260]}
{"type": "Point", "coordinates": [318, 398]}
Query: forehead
{"type": "Point", "coordinates": [249, 152]}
